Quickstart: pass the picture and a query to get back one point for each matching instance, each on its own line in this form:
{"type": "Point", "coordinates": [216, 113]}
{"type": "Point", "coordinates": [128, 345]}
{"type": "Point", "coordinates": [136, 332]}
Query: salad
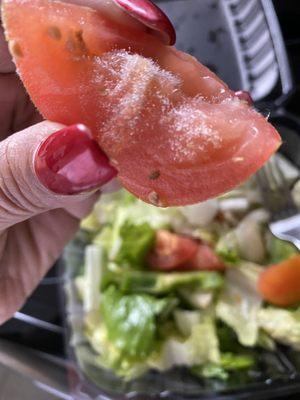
{"type": "Point", "coordinates": [187, 286]}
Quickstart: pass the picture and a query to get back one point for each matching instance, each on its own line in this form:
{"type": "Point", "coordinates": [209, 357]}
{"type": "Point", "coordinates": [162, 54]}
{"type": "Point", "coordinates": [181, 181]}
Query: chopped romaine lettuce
{"type": "Point", "coordinates": [234, 246]}
{"type": "Point", "coordinates": [80, 286]}
{"type": "Point", "coordinates": [132, 317]}
{"type": "Point", "coordinates": [210, 371]}
{"type": "Point", "coordinates": [279, 250]}
{"type": "Point", "coordinates": [251, 246]}
{"type": "Point", "coordinates": [201, 214]}
{"type": "Point", "coordinates": [130, 321]}
{"type": "Point", "coordinates": [265, 341]}
{"type": "Point", "coordinates": [104, 239]}
{"type": "Point", "coordinates": [136, 241]}
{"type": "Point", "coordinates": [192, 351]}
{"type": "Point", "coordinates": [233, 362]}
{"type": "Point", "coordinates": [89, 283]}
{"type": "Point", "coordinates": [160, 283]}
{"type": "Point", "coordinates": [282, 325]}
{"type": "Point", "coordinates": [197, 298]}
{"type": "Point", "coordinates": [240, 302]}
{"type": "Point", "coordinates": [227, 248]}
{"type": "Point", "coordinates": [185, 320]}
{"type": "Point", "coordinates": [133, 210]}
{"type": "Point", "coordinates": [228, 362]}
{"type": "Point", "coordinates": [90, 223]}
{"type": "Point", "coordinates": [109, 356]}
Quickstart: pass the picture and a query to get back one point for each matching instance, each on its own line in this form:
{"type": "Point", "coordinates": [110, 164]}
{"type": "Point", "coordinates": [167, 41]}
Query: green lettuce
{"type": "Point", "coordinates": [239, 302]}
{"type": "Point", "coordinates": [127, 226]}
{"type": "Point", "coordinates": [90, 223]}
{"type": "Point", "coordinates": [279, 250]}
{"type": "Point", "coordinates": [227, 248]}
{"type": "Point", "coordinates": [136, 241]}
{"type": "Point", "coordinates": [282, 325]}
{"type": "Point", "coordinates": [229, 362]}
{"type": "Point", "coordinates": [130, 321]}
{"type": "Point", "coordinates": [162, 283]}
{"type": "Point", "coordinates": [109, 356]}
{"type": "Point", "coordinates": [200, 347]}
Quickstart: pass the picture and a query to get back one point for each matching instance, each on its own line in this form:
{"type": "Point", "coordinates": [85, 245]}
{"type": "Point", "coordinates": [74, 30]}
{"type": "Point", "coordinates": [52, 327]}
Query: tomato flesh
{"type": "Point", "coordinates": [205, 259]}
{"type": "Point", "coordinates": [280, 284]}
{"type": "Point", "coordinates": [171, 250]}
{"type": "Point", "coordinates": [182, 253]}
{"type": "Point", "coordinates": [175, 132]}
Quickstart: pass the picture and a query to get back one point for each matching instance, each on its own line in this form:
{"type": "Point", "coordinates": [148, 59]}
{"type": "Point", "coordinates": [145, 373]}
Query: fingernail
{"type": "Point", "coordinates": [70, 162]}
{"type": "Point", "coordinates": [245, 96]}
{"type": "Point", "coordinates": [152, 16]}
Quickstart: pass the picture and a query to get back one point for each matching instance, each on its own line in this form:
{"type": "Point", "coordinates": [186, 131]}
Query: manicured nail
{"type": "Point", "coordinates": [70, 162]}
{"type": "Point", "coordinates": [152, 16]}
{"type": "Point", "coordinates": [245, 96]}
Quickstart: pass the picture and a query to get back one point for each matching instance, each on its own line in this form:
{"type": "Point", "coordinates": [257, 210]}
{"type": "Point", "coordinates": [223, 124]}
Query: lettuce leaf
{"type": "Point", "coordinates": [229, 362]}
{"type": "Point", "coordinates": [136, 241]}
{"type": "Point", "coordinates": [279, 250]}
{"type": "Point", "coordinates": [227, 248]}
{"type": "Point", "coordinates": [200, 347]}
{"type": "Point", "coordinates": [282, 325]}
{"type": "Point", "coordinates": [88, 284]}
{"type": "Point", "coordinates": [162, 283]}
{"type": "Point", "coordinates": [130, 321]}
{"type": "Point", "coordinates": [239, 302]}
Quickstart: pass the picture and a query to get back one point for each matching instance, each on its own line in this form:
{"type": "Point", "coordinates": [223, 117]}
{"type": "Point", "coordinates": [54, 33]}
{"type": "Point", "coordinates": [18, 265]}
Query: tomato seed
{"type": "Point", "coordinates": [54, 32]}
{"type": "Point", "coordinates": [15, 49]}
{"type": "Point", "coordinates": [154, 175]}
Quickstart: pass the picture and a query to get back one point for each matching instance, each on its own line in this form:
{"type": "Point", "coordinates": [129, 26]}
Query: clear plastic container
{"type": "Point", "coordinates": [278, 373]}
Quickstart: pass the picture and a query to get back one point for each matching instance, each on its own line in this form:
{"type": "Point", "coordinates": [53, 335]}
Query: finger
{"type": "Point", "coordinates": [36, 177]}
{"type": "Point", "coordinates": [30, 248]}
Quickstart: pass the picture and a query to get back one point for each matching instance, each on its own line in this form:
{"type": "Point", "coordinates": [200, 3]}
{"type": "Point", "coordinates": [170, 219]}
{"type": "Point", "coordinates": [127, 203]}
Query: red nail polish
{"type": "Point", "coordinates": [245, 96]}
{"type": "Point", "coordinates": [152, 16]}
{"type": "Point", "coordinates": [70, 161]}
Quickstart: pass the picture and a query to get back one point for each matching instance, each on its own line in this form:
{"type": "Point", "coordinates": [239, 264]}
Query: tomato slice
{"type": "Point", "coordinates": [280, 284]}
{"type": "Point", "coordinates": [171, 250]}
{"type": "Point", "coordinates": [174, 131]}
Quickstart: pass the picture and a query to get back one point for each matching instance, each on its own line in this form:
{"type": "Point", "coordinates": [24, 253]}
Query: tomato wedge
{"type": "Point", "coordinates": [174, 131]}
{"type": "Point", "coordinates": [280, 284]}
{"type": "Point", "coordinates": [205, 259]}
{"type": "Point", "coordinates": [171, 250]}
{"type": "Point", "coordinates": [182, 253]}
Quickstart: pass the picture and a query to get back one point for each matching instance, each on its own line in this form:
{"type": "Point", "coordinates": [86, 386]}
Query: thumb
{"type": "Point", "coordinates": [48, 166]}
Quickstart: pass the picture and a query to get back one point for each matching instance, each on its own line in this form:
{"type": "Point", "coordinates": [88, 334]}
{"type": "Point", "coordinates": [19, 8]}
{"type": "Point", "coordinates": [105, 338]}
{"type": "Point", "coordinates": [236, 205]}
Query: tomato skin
{"type": "Point", "coordinates": [205, 259]}
{"type": "Point", "coordinates": [279, 284]}
{"type": "Point", "coordinates": [171, 250]}
{"type": "Point", "coordinates": [79, 66]}
{"type": "Point", "coordinates": [182, 253]}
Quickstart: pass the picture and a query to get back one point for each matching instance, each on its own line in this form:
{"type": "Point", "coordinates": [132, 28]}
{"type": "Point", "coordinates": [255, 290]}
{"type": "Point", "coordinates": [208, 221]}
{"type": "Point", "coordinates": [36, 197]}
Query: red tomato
{"type": "Point", "coordinates": [174, 131]}
{"type": "Point", "coordinates": [280, 284]}
{"type": "Point", "coordinates": [171, 250]}
{"type": "Point", "coordinates": [205, 259]}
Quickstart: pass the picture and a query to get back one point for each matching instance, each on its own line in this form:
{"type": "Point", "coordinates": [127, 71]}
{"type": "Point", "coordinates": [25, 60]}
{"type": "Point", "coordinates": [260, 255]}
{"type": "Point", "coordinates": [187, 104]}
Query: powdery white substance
{"type": "Point", "coordinates": [133, 83]}
{"type": "Point", "coordinates": [143, 103]}
{"type": "Point", "coordinates": [192, 131]}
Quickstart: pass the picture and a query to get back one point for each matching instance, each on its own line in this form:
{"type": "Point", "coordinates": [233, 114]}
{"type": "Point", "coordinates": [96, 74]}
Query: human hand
{"type": "Point", "coordinates": [47, 173]}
